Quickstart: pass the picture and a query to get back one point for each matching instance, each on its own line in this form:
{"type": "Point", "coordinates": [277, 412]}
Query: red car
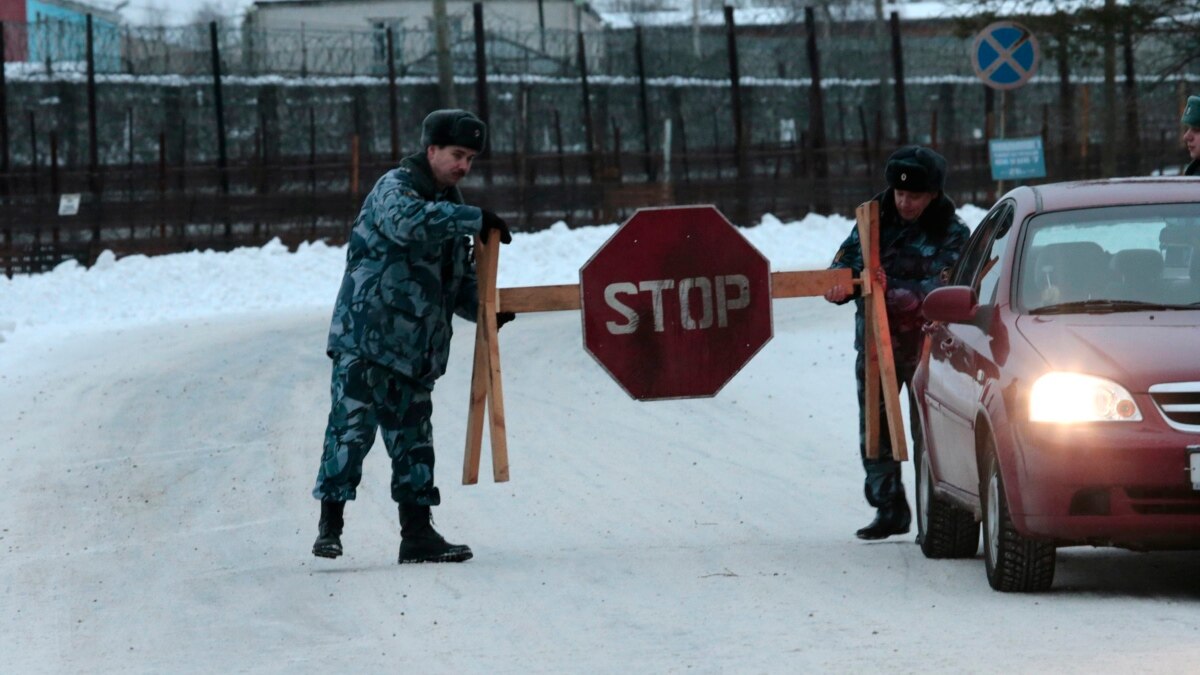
{"type": "Point", "coordinates": [1059, 383]}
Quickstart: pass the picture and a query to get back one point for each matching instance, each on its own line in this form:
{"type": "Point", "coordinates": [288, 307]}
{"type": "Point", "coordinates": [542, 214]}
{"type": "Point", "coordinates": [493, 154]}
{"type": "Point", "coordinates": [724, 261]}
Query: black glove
{"type": "Point", "coordinates": [491, 221]}
{"type": "Point", "coordinates": [503, 318]}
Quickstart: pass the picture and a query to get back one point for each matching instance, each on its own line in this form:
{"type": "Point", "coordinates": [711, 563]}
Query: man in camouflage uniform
{"type": "Point", "coordinates": [920, 238]}
{"type": "Point", "coordinates": [409, 269]}
{"type": "Point", "coordinates": [1191, 134]}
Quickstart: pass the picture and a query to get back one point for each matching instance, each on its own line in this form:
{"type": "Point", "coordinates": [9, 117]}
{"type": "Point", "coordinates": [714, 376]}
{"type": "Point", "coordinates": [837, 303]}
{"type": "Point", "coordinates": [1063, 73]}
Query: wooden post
{"type": "Point", "coordinates": [816, 113]}
{"type": "Point", "coordinates": [643, 105]}
{"type": "Point", "coordinates": [683, 149]}
{"type": "Point", "coordinates": [393, 130]}
{"type": "Point", "coordinates": [735, 82]}
{"type": "Point", "coordinates": [1133, 152]}
{"type": "Point", "coordinates": [54, 163]}
{"type": "Point", "coordinates": [481, 86]}
{"type": "Point", "coordinates": [162, 181]}
{"type": "Point", "coordinates": [1085, 128]}
{"type": "Point", "coordinates": [4, 155]}
{"type": "Point", "coordinates": [898, 74]}
{"type": "Point", "coordinates": [354, 159]}
{"type": "Point", "coordinates": [542, 23]}
{"type": "Point", "coordinates": [558, 143]}
{"type": "Point", "coordinates": [866, 141]}
{"type": "Point", "coordinates": [128, 161]}
{"type": "Point", "coordinates": [222, 158]}
{"type": "Point", "coordinates": [93, 141]}
{"type": "Point", "coordinates": [588, 133]}
{"type": "Point", "coordinates": [1066, 105]}
{"type": "Point", "coordinates": [183, 156]}
{"type": "Point", "coordinates": [444, 58]}
{"type": "Point", "coordinates": [312, 170]}
{"type": "Point", "coordinates": [1108, 110]}
{"type": "Point", "coordinates": [33, 151]}
{"type": "Point", "coordinates": [881, 369]}
{"type": "Point", "coordinates": [616, 156]}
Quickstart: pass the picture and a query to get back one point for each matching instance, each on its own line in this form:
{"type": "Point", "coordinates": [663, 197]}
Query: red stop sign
{"type": "Point", "coordinates": [675, 303]}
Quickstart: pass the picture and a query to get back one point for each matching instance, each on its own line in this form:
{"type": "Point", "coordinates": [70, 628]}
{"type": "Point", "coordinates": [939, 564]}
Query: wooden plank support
{"type": "Point", "coordinates": [489, 301]}
{"type": "Point", "coordinates": [883, 370]}
{"type": "Point", "coordinates": [487, 389]}
{"type": "Point", "coordinates": [479, 390]}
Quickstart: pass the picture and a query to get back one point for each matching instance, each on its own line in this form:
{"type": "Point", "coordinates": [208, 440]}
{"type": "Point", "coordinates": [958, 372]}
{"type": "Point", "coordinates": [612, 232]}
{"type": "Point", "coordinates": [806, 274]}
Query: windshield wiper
{"type": "Point", "coordinates": [1106, 306]}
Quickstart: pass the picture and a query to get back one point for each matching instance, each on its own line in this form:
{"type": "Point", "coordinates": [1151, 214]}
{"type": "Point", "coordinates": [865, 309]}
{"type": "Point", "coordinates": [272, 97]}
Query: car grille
{"type": "Point", "coordinates": [1164, 501]}
{"type": "Point", "coordinates": [1179, 403]}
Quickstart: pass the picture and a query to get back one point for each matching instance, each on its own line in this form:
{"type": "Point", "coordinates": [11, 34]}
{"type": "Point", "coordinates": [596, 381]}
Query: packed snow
{"type": "Point", "coordinates": [162, 420]}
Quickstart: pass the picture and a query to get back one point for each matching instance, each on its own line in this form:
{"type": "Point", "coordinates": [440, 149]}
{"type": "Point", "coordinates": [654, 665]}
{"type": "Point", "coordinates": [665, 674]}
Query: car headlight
{"type": "Point", "coordinates": [1073, 397]}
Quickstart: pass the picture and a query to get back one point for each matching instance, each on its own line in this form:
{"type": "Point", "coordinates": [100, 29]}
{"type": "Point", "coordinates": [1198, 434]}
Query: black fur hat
{"type": "Point", "coordinates": [916, 169]}
{"type": "Point", "coordinates": [453, 127]}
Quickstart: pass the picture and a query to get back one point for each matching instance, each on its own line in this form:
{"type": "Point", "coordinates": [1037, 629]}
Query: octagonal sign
{"type": "Point", "coordinates": [675, 303]}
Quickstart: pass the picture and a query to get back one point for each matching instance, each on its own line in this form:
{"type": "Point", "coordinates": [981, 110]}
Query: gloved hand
{"type": "Point", "coordinates": [491, 222]}
{"type": "Point", "coordinates": [503, 318]}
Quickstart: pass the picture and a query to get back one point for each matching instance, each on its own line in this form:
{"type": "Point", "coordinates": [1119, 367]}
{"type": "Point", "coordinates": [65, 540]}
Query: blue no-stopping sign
{"type": "Point", "coordinates": [1005, 55]}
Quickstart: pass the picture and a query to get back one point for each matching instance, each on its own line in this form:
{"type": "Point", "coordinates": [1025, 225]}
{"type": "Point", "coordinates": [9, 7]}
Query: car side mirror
{"type": "Point", "coordinates": [951, 304]}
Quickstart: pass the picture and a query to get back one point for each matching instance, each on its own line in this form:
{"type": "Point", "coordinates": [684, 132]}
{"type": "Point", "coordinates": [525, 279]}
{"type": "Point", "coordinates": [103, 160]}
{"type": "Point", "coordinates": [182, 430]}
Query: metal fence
{"type": "Point", "coordinates": [217, 136]}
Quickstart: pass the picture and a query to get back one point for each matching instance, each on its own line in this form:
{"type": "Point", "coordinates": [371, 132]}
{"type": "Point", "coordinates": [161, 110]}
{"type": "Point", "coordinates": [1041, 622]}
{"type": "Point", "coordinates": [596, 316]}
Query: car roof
{"type": "Point", "coordinates": [1108, 192]}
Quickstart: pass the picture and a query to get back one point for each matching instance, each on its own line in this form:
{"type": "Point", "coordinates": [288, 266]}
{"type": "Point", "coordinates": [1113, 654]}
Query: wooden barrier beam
{"type": "Point", "coordinates": [521, 299]}
{"type": "Point", "coordinates": [803, 284]}
{"type": "Point", "coordinates": [539, 298]}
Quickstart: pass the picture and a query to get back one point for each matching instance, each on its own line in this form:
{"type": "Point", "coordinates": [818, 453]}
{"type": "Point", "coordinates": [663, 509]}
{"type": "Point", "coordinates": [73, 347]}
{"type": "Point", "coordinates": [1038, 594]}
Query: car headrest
{"type": "Point", "coordinates": [1078, 267]}
{"type": "Point", "coordinates": [1136, 264]}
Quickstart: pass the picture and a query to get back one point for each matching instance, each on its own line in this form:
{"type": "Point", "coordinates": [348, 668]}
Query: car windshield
{"type": "Point", "coordinates": [1112, 259]}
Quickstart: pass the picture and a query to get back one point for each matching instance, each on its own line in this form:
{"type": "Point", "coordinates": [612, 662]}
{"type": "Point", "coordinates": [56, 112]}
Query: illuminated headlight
{"type": "Point", "coordinates": [1072, 397]}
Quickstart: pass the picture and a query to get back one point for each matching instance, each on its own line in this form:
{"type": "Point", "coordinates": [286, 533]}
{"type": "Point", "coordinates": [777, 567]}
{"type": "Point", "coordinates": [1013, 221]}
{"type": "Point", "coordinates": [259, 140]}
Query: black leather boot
{"type": "Point", "coordinates": [420, 543]}
{"type": "Point", "coordinates": [894, 518]}
{"type": "Point", "coordinates": [329, 538]}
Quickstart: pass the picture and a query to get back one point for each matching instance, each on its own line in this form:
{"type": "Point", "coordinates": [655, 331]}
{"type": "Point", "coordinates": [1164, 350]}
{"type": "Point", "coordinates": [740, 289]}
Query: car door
{"type": "Point", "coordinates": [955, 382]}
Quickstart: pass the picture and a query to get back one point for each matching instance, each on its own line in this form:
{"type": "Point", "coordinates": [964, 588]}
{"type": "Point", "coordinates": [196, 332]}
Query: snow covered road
{"type": "Point", "coordinates": [156, 518]}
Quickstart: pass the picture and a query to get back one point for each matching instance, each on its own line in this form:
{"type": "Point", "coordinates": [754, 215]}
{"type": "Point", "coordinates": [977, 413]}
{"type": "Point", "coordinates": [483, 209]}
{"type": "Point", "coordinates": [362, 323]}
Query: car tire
{"type": "Point", "coordinates": [1015, 564]}
{"type": "Point", "coordinates": [943, 529]}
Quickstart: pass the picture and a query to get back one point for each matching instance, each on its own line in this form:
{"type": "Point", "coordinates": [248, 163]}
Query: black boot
{"type": "Point", "coordinates": [329, 539]}
{"type": "Point", "coordinates": [894, 518]}
{"type": "Point", "coordinates": [419, 542]}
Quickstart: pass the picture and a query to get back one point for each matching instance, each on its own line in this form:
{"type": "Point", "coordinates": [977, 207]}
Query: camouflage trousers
{"type": "Point", "coordinates": [883, 484]}
{"type": "Point", "coordinates": [368, 397]}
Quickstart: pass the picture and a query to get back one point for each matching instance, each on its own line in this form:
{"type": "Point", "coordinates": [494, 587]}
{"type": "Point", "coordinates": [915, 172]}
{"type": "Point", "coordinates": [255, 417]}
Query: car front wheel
{"type": "Point", "coordinates": [1014, 563]}
{"type": "Point", "coordinates": [944, 530]}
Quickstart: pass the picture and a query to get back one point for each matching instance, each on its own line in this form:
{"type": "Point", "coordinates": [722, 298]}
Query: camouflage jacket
{"type": "Point", "coordinates": [408, 271]}
{"type": "Point", "coordinates": [916, 258]}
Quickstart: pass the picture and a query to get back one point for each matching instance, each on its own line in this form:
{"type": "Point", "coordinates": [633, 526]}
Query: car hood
{"type": "Point", "coordinates": [1135, 349]}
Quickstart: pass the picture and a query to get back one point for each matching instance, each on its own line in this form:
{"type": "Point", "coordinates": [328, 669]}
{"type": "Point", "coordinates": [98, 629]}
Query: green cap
{"type": "Point", "coordinates": [1191, 114]}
